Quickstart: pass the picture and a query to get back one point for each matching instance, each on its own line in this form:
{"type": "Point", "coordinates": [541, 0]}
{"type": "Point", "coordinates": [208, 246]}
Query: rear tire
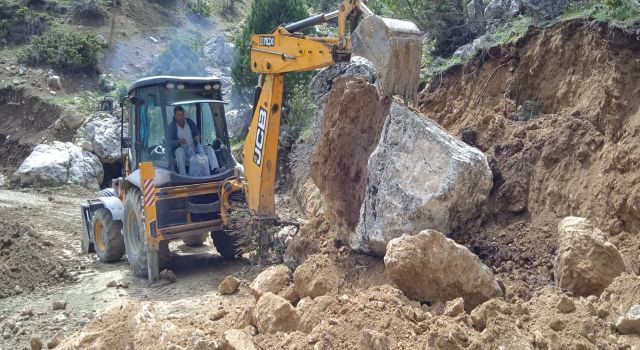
{"type": "Point", "coordinates": [107, 235]}
{"type": "Point", "coordinates": [225, 244]}
{"type": "Point", "coordinates": [194, 240]}
{"type": "Point", "coordinates": [134, 240]}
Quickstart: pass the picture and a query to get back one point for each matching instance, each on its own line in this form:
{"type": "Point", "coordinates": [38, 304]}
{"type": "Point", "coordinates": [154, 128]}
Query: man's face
{"type": "Point", "coordinates": [180, 117]}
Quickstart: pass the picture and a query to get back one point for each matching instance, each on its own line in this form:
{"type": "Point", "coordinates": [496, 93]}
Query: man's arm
{"type": "Point", "coordinates": [195, 133]}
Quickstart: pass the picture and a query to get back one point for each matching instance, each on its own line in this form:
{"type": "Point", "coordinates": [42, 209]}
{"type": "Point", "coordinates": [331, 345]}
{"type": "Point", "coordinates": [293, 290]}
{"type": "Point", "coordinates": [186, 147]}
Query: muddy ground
{"type": "Point", "coordinates": [44, 260]}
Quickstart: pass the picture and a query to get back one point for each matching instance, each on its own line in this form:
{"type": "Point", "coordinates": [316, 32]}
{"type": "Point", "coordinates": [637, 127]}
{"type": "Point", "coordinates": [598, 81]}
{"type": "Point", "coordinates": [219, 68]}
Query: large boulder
{"type": "Point", "coordinates": [586, 262]}
{"type": "Point", "coordinates": [274, 279]}
{"type": "Point", "coordinates": [60, 164]}
{"type": "Point", "coordinates": [274, 314]}
{"type": "Point", "coordinates": [324, 81]}
{"type": "Point", "coordinates": [219, 51]}
{"type": "Point", "coordinates": [351, 127]}
{"type": "Point", "coordinates": [238, 121]}
{"type": "Point", "coordinates": [430, 267]}
{"type": "Point", "coordinates": [419, 177]}
{"type": "Point", "coordinates": [103, 133]}
{"type": "Point", "coordinates": [316, 277]}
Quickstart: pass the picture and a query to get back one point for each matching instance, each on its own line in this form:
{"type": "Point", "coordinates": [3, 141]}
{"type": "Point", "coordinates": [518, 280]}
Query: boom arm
{"type": "Point", "coordinates": [283, 51]}
{"type": "Point", "coordinates": [272, 56]}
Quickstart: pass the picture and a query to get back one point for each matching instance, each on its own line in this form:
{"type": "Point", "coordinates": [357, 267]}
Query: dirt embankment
{"type": "Point", "coordinates": [557, 112]}
{"type": "Point", "coordinates": [25, 120]}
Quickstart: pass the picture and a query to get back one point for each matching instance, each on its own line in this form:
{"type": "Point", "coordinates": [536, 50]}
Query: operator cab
{"type": "Point", "coordinates": [151, 111]}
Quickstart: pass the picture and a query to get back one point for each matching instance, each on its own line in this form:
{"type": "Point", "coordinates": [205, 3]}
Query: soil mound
{"type": "Point", "coordinates": [26, 261]}
{"type": "Point", "coordinates": [557, 113]}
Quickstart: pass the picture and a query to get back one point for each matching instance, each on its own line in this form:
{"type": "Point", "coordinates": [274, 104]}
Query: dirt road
{"type": "Point", "coordinates": [82, 284]}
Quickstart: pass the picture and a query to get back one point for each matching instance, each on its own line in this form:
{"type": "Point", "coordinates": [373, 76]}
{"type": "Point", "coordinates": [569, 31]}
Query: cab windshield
{"type": "Point", "coordinates": [150, 131]}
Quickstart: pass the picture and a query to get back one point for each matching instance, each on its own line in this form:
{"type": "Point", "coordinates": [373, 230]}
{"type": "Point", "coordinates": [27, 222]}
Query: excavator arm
{"type": "Point", "coordinates": [285, 51]}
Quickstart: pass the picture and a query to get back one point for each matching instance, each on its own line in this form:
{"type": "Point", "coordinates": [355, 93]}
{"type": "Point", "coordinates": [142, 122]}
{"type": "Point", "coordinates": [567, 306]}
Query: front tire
{"type": "Point", "coordinates": [134, 239]}
{"type": "Point", "coordinates": [226, 244]}
{"type": "Point", "coordinates": [109, 243]}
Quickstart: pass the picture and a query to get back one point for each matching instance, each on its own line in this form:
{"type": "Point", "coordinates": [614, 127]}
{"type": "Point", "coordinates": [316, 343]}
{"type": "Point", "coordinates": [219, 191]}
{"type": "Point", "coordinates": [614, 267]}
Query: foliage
{"type": "Point", "coordinates": [264, 16]}
{"type": "Point", "coordinates": [179, 59]}
{"type": "Point", "coordinates": [63, 49]}
{"type": "Point", "coordinates": [19, 23]}
{"type": "Point", "coordinates": [445, 20]}
{"type": "Point", "coordinates": [200, 7]}
{"type": "Point", "coordinates": [512, 30]}
{"type": "Point", "coordinates": [621, 11]}
{"type": "Point", "coordinates": [300, 113]}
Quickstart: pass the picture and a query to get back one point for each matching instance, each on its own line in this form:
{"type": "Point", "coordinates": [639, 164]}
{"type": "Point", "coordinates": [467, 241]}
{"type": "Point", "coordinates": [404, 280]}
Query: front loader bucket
{"type": "Point", "coordinates": [395, 49]}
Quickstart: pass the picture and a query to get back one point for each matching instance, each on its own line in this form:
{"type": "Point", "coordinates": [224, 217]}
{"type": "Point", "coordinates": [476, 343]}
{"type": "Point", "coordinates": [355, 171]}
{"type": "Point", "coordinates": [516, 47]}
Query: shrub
{"type": "Point", "coordinates": [445, 20]}
{"type": "Point", "coordinates": [63, 49]}
{"type": "Point", "coordinates": [300, 112]}
{"type": "Point", "coordinates": [19, 23]}
{"type": "Point", "coordinates": [200, 7]}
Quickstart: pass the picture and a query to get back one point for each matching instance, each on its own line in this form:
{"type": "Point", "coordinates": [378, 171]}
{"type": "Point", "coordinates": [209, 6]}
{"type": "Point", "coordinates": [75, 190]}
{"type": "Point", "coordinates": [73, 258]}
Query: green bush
{"type": "Point", "coordinates": [19, 23]}
{"type": "Point", "coordinates": [300, 112]}
{"type": "Point", "coordinates": [621, 10]}
{"type": "Point", "coordinates": [264, 17]}
{"type": "Point", "coordinates": [62, 49]}
{"type": "Point", "coordinates": [200, 7]}
{"type": "Point", "coordinates": [445, 20]}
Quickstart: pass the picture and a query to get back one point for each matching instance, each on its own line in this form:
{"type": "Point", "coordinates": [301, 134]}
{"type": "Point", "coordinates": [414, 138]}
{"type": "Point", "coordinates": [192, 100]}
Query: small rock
{"type": "Point", "coordinates": [274, 279]}
{"type": "Point", "coordinates": [60, 318]}
{"type": "Point", "coordinates": [235, 339]}
{"type": "Point", "coordinates": [10, 325]}
{"type": "Point", "coordinates": [274, 314]}
{"type": "Point", "coordinates": [218, 314]}
{"type": "Point", "coordinates": [566, 305]}
{"type": "Point", "coordinates": [372, 340]}
{"type": "Point", "coordinates": [18, 289]}
{"type": "Point", "coordinates": [630, 322]}
{"type": "Point", "coordinates": [59, 305]}
{"type": "Point", "coordinates": [36, 344]}
{"type": "Point", "coordinates": [229, 285]}
{"type": "Point", "coordinates": [557, 325]}
{"type": "Point", "coordinates": [7, 333]}
{"type": "Point", "coordinates": [153, 40]}
{"type": "Point", "coordinates": [112, 284]}
{"type": "Point", "coordinates": [454, 307]}
{"type": "Point", "coordinates": [54, 342]}
{"type": "Point", "coordinates": [168, 275]}
{"type": "Point", "coordinates": [27, 311]}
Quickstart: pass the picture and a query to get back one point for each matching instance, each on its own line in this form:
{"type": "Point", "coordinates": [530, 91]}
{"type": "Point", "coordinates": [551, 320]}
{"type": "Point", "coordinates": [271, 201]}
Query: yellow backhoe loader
{"type": "Point", "coordinates": [153, 204]}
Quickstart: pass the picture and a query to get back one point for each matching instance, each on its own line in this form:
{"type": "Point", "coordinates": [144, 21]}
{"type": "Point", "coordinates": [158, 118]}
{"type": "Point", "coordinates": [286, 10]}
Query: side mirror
{"type": "Point", "coordinates": [126, 142]}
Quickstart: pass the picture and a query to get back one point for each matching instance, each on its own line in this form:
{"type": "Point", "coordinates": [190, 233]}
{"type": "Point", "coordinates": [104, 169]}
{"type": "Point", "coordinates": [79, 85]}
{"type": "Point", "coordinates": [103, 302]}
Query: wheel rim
{"type": "Point", "coordinates": [134, 232]}
{"type": "Point", "coordinates": [100, 243]}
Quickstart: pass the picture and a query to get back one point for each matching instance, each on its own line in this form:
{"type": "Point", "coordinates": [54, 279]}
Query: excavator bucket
{"type": "Point", "coordinates": [395, 49]}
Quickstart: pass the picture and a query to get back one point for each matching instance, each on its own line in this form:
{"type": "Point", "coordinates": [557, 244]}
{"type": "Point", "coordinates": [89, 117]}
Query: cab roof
{"type": "Point", "coordinates": [164, 79]}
